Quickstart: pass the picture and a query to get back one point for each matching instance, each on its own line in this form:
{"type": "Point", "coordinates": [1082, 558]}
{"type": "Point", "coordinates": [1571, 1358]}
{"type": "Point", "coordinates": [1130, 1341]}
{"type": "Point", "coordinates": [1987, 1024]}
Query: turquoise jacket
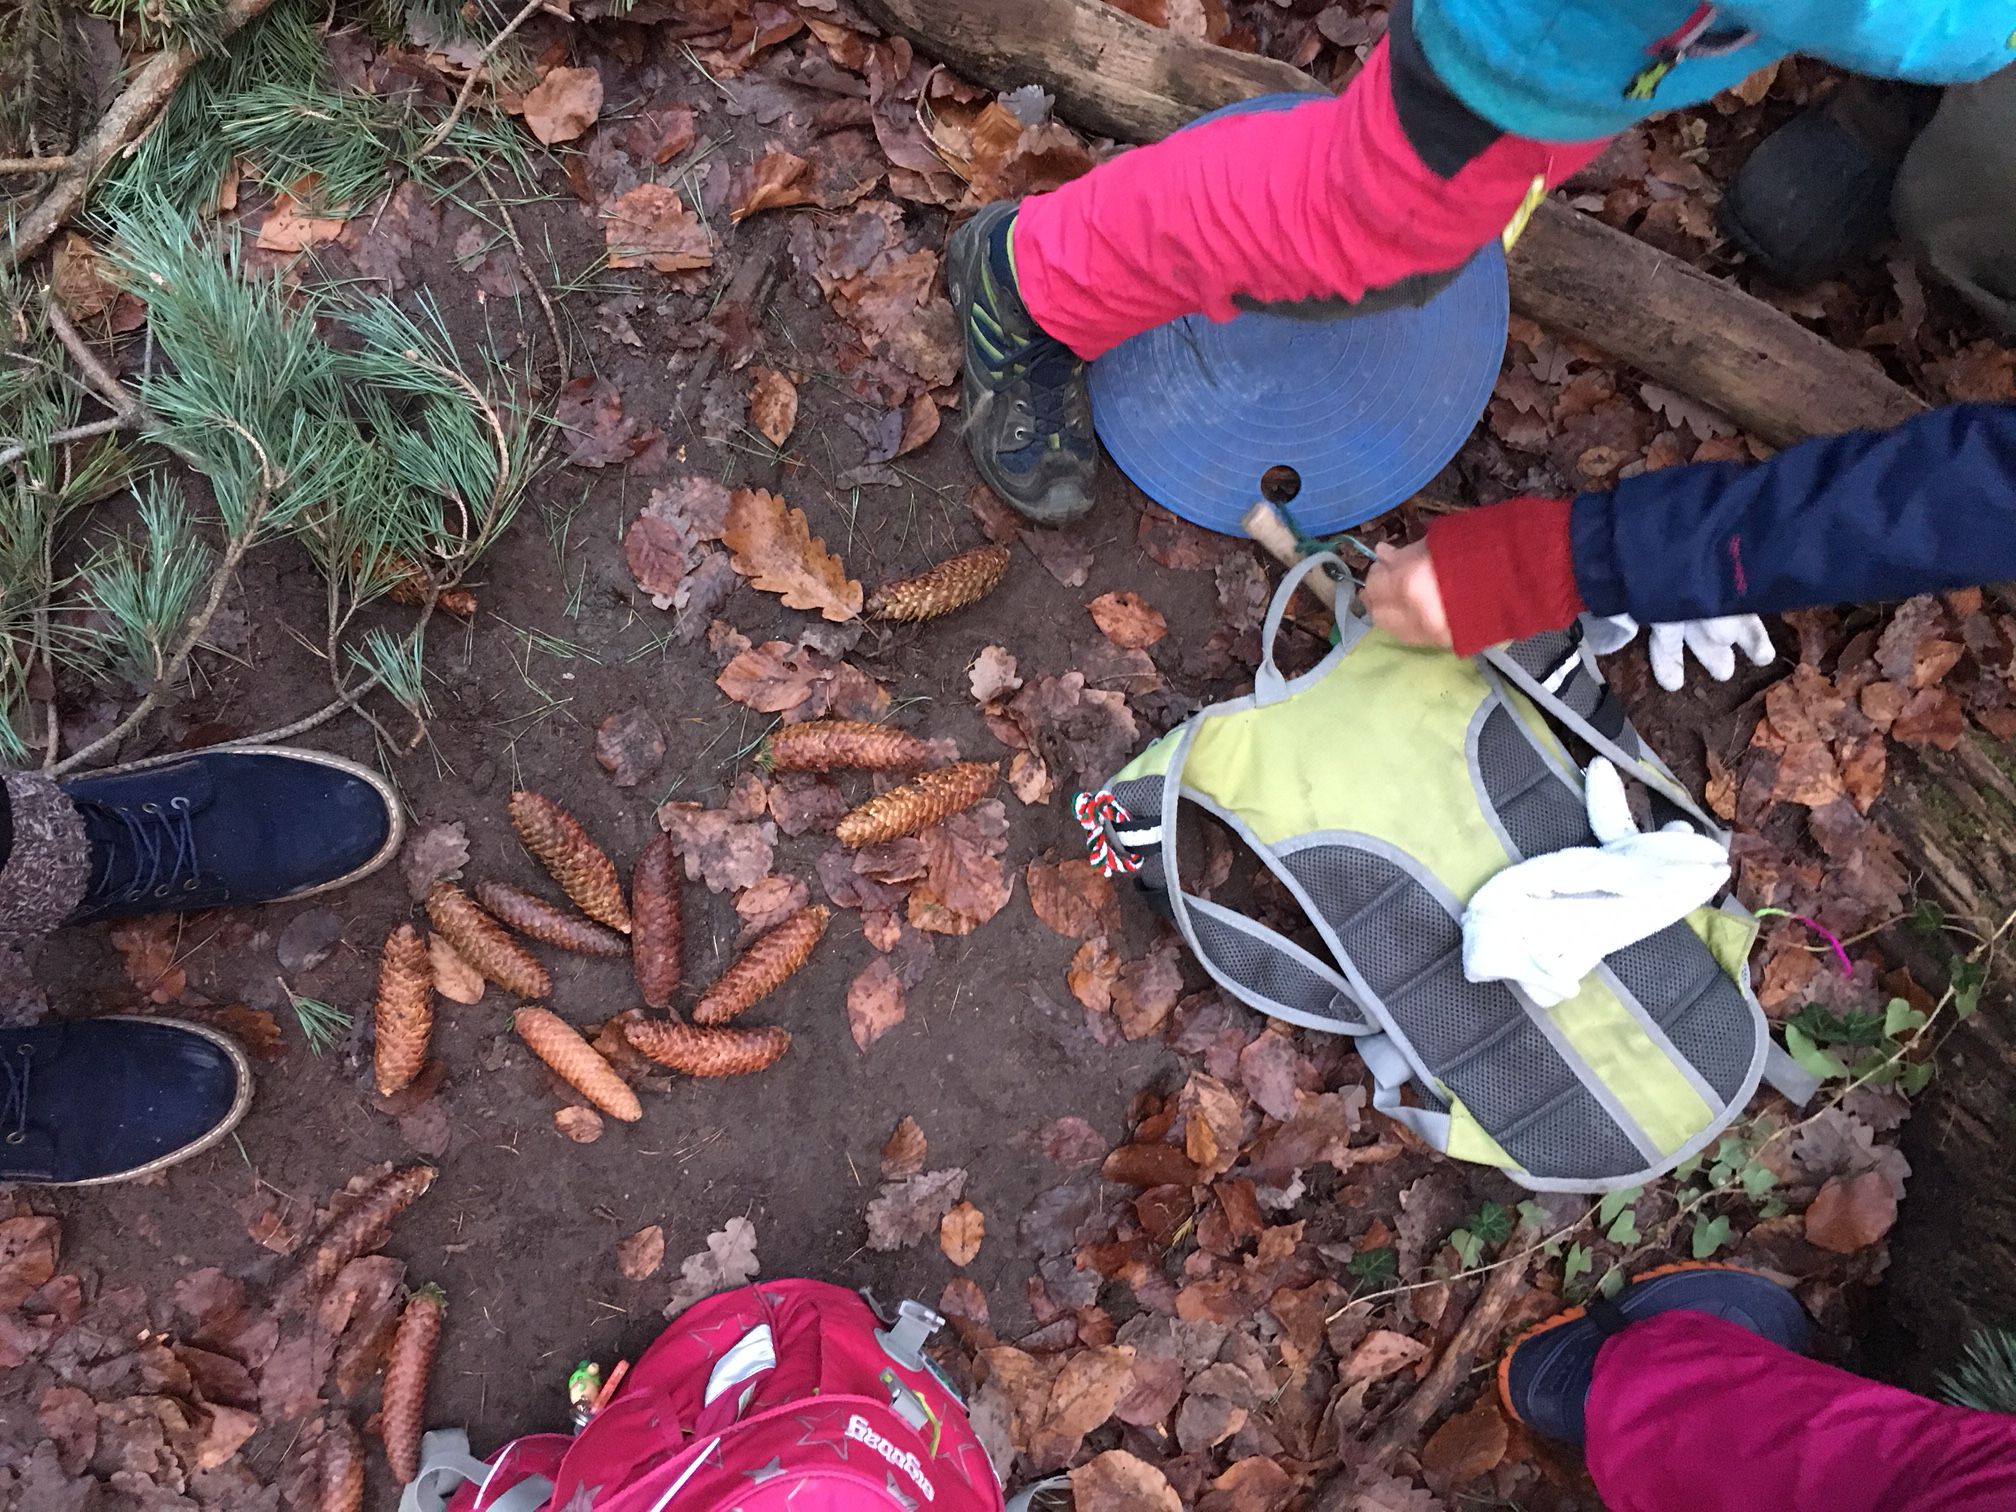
{"type": "Point", "coordinates": [1576, 70]}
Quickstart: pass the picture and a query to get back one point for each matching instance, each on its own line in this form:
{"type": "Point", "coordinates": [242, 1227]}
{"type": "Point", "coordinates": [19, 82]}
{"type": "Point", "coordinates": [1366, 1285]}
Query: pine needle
{"type": "Point", "coordinates": [145, 588]}
{"type": "Point", "coordinates": [322, 1024]}
{"type": "Point", "coordinates": [1986, 1376]}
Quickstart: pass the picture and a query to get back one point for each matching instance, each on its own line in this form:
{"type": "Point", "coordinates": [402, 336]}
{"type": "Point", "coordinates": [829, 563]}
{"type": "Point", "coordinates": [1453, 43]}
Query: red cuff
{"type": "Point", "coordinates": [1505, 571]}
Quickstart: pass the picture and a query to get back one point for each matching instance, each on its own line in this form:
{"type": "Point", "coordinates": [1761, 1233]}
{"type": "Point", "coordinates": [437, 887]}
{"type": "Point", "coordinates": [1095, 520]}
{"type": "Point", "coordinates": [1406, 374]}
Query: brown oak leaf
{"type": "Point", "coordinates": [650, 227]}
{"type": "Point", "coordinates": [775, 549]}
{"type": "Point", "coordinates": [1126, 620]}
{"type": "Point", "coordinates": [563, 104]}
{"type": "Point", "coordinates": [773, 404]}
{"type": "Point", "coordinates": [874, 1002]}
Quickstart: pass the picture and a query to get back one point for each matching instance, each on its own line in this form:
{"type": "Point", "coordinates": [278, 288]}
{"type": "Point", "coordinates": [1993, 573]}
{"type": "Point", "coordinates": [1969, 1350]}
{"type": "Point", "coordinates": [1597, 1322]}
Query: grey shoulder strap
{"type": "Point", "coordinates": [446, 1465]}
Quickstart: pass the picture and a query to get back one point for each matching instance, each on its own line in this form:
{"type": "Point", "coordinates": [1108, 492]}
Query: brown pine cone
{"type": "Point", "coordinates": [404, 1012]}
{"type": "Point", "coordinates": [763, 967]}
{"type": "Point", "coordinates": [952, 584]}
{"type": "Point", "coordinates": [535, 918]}
{"type": "Point", "coordinates": [821, 745]}
{"type": "Point", "coordinates": [339, 1471]}
{"type": "Point", "coordinates": [575, 1062]}
{"type": "Point", "coordinates": [480, 940]}
{"type": "Point", "coordinates": [708, 1052]}
{"type": "Point", "coordinates": [918, 804]}
{"type": "Point", "coordinates": [412, 587]}
{"type": "Point", "coordinates": [363, 1226]}
{"type": "Point", "coordinates": [657, 933]}
{"type": "Point", "coordinates": [402, 1411]}
{"type": "Point", "coordinates": [575, 862]}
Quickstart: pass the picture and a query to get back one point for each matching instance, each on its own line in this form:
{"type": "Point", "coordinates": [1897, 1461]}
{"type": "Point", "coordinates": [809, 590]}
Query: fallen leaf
{"type": "Point", "coordinates": [964, 884]}
{"type": "Point", "coordinates": [1378, 1355]}
{"type": "Point", "coordinates": [960, 1232]}
{"type": "Point", "coordinates": [650, 227]}
{"type": "Point", "coordinates": [728, 1261]}
{"type": "Point", "coordinates": [1071, 1142]}
{"type": "Point", "coordinates": [629, 746]}
{"type": "Point", "coordinates": [639, 1256]}
{"type": "Point", "coordinates": [67, 1415]}
{"type": "Point", "coordinates": [769, 903]}
{"type": "Point", "coordinates": [146, 947]}
{"type": "Point", "coordinates": [1093, 972]}
{"type": "Point", "coordinates": [779, 184]}
{"type": "Point", "coordinates": [1267, 1067]}
{"type": "Point", "coordinates": [590, 411]}
{"type": "Point", "coordinates": [1385, 1493]}
{"type": "Point", "coordinates": [656, 557]}
{"type": "Point", "coordinates": [454, 978]}
{"type": "Point", "coordinates": [874, 1003]}
{"type": "Point", "coordinates": [909, 1210]}
{"type": "Point", "coordinates": [965, 1304]}
{"type": "Point", "coordinates": [1176, 543]}
{"type": "Point", "coordinates": [659, 133]}
{"type": "Point", "coordinates": [992, 675]}
{"type": "Point", "coordinates": [1127, 621]}
{"type": "Point", "coordinates": [434, 852]}
{"type": "Point", "coordinates": [903, 1151]}
{"type": "Point", "coordinates": [1851, 1213]}
{"type": "Point", "coordinates": [1118, 1482]}
{"type": "Point", "coordinates": [1087, 1390]}
{"type": "Point", "coordinates": [719, 848]}
{"type": "Point", "coordinates": [775, 677]}
{"type": "Point", "coordinates": [1145, 991]}
{"type": "Point", "coordinates": [308, 939]}
{"type": "Point", "coordinates": [1253, 1484]}
{"type": "Point", "coordinates": [28, 1250]}
{"type": "Point", "coordinates": [1466, 1446]}
{"type": "Point", "coordinates": [773, 404]}
{"type": "Point", "coordinates": [563, 104]}
{"type": "Point", "coordinates": [775, 549]}
{"type": "Point", "coordinates": [582, 1125]}
{"type": "Point", "coordinates": [1073, 898]}
{"type": "Point", "coordinates": [920, 424]}
{"type": "Point", "coordinates": [1807, 775]}
{"type": "Point", "coordinates": [1933, 717]}
{"type": "Point", "coordinates": [287, 228]}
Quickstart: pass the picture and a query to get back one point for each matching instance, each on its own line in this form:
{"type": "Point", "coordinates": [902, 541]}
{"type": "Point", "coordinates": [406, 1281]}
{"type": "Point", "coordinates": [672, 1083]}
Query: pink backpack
{"type": "Point", "coordinates": [786, 1394]}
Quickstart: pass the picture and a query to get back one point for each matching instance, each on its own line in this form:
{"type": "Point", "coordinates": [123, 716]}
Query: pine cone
{"type": "Point", "coordinates": [657, 933]}
{"type": "Point", "coordinates": [708, 1052]}
{"type": "Point", "coordinates": [402, 1410]}
{"type": "Point", "coordinates": [412, 587]}
{"type": "Point", "coordinates": [952, 584]}
{"type": "Point", "coordinates": [363, 1226]}
{"type": "Point", "coordinates": [339, 1470]}
{"type": "Point", "coordinates": [575, 862]}
{"type": "Point", "coordinates": [481, 941]}
{"type": "Point", "coordinates": [763, 967]}
{"type": "Point", "coordinates": [821, 745]}
{"type": "Point", "coordinates": [919, 804]}
{"type": "Point", "coordinates": [404, 1013]}
{"type": "Point", "coordinates": [535, 918]}
{"type": "Point", "coordinates": [575, 1062]}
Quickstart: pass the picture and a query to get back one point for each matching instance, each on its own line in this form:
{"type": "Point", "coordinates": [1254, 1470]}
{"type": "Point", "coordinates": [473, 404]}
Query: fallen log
{"type": "Point", "coordinates": [1119, 77]}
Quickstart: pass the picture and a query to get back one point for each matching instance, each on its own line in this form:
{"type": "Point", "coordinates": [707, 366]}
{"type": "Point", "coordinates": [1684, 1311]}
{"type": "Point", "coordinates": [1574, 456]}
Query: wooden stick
{"type": "Point", "coordinates": [1264, 524]}
{"type": "Point", "coordinates": [35, 164]}
{"type": "Point", "coordinates": [1705, 338]}
{"type": "Point", "coordinates": [151, 87]}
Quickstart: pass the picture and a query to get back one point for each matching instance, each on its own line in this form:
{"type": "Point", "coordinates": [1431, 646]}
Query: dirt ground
{"type": "Point", "coordinates": [522, 1226]}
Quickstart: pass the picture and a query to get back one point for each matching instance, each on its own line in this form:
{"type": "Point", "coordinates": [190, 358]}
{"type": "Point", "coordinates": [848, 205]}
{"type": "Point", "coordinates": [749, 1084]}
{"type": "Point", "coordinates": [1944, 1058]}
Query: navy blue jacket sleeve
{"type": "Point", "coordinates": [1869, 515]}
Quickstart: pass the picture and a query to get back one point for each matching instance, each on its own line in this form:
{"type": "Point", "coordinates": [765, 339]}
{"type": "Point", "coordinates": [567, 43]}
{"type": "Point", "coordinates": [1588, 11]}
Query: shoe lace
{"type": "Point", "coordinates": [160, 843]}
{"type": "Point", "coordinates": [1051, 368]}
{"type": "Point", "coordinates": [14, 1096]}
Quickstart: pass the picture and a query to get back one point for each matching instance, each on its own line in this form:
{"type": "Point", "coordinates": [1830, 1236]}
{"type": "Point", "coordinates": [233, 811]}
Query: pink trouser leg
{"type": "Point", "coordinates": [1690, 1413]}
{"type": "Point", "coordinates": [1326, 199]}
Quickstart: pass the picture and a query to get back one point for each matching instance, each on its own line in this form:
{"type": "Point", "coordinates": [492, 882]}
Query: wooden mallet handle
{"type": "Point", "coordinates": [1264, 524]}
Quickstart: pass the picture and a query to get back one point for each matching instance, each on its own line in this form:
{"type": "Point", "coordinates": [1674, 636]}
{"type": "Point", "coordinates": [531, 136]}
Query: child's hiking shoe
{"type": "Point", "coordinates": [100, 1100]}
{"type": "Point", "coordinates": [1815, 194]}
{"type": "Point", "coordinates": [1544, 1378]}
{"type": "Point", "coordinates": [228, 828]}
{"type": "Point", "coordinates": [1028, 412]}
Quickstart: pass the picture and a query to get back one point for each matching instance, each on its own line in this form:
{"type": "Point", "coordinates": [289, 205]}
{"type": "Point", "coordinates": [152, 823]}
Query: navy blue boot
{"type": "Point", "coordinates": [111, 1099]}
{"type": "Point", "coordinates": [1544, 1378]}
{"type": "Point", "coordinates": [228, 828]}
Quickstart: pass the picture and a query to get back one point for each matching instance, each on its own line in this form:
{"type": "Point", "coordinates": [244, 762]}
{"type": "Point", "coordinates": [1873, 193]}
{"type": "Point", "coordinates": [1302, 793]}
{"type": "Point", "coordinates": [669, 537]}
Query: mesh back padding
{"type": "Point", "coordinates": [1590, 697]}
{"type": "Point", "coordinates": [1476, 1037]}
{"type": "Point", "coordinates": [1142, 798]}
{"type": "Point", "coordinates": [1702, 1011]}
{"type": "Point", "coordinates": [1263, 970]}
{"type": "Point", "coordinates": [1539, 812]}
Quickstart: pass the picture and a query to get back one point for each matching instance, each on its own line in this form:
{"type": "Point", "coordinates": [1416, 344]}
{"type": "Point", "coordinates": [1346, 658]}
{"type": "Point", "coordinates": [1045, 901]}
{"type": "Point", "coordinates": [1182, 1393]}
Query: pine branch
{"type": "Point", "coordinates": [462, 98]}
{"type": "Point", "coordinates": [73, 433]}
{"type": "Point", "coordinates": [138, 103]}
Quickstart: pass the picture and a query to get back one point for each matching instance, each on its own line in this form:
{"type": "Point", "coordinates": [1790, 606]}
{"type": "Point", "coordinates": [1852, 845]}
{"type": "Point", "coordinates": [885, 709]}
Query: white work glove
{"type": "Point", "coordinates": [1545, 923]}
{"type": "Point", "coordinates": [1714, 643]}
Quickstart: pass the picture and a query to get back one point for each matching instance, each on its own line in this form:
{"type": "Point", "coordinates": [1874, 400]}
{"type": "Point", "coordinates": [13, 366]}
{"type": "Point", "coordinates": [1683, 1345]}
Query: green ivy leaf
{"type": "Point", "coordinates": [1900, 1018]}
{"type": "Point", "coordinates": [1914, 1077]}
{"type": "Point", "coordinates": [1624, 1230]}
{"type": "Point", "coordinates": [1579, 1263]}
{"type": "Point", "coordinates": [1686, 1169]}
{"type": "Point", "coordinates": [1824, 1064]}
{"type": "Point", "coordinates": [1928, 918]}
{"type": "Point", "coordinates": [1612, 1282]}
{"type": "Point", "coordinates": [1709, 1236]}
{"type": "Point", "coordinates": [1491, 1223]}
{"type": "Point", "coordinates": [1532, 1215]}
{"type": "Point", "coordinates": [1375, 1266]}
{"type": "Point", "coordinates": [1757, 1179]}
{"type": "Point", "coordinates": [1969, 977]}
{"type": "Point", "coordinates": [1614, 1203]}
{"type": "Point", "coordinates": [1469, 1248]}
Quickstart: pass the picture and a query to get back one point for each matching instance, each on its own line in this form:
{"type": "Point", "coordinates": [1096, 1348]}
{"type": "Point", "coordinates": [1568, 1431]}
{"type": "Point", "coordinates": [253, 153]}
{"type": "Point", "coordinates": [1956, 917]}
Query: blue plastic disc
{"type": "Point", "coordinates": [1362, 410]}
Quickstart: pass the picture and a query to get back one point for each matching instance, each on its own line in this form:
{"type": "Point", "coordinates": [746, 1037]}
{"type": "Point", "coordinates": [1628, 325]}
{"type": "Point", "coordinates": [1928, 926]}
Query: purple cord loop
{"type": "Point", "coordinates": [1834, 940]}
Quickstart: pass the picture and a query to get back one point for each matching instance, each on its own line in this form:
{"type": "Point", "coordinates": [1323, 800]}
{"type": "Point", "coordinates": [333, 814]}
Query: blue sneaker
{"type": "Point", "coordinates": [1544, 1378]}
{"type": "Point", "coordinates": [229, 828]}
{"type": "Point", "coordinates": [112, 1099]}
{"type": "Point", "coordinates": [1028, 411]}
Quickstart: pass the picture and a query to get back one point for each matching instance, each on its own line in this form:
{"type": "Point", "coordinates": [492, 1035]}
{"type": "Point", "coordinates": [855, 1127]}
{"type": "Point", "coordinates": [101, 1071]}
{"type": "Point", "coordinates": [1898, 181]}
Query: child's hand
{"type": "Point", "coordinates": [1404, 599]}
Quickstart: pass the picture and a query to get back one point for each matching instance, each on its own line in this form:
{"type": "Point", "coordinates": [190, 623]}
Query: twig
{"type": "Point", "coordinates": [1477, 1335]}
{"type": "Point", "coordinates": [151, 87]}
{"type": "Point", "coordinates": [123, 401]}
{"type": "Point", "coordinates": [59, 438]}
{"type": "Point", "coordinates": [462, 97]}
{"type": "Point", "coordinates": [35, 164]}
{"type": "Point", "coordinates": [234, 553]}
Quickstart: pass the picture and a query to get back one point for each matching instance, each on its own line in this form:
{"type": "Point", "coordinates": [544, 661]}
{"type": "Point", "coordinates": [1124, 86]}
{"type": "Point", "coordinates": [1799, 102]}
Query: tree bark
{"type": "Point", "coordinates": [1708, 339]}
